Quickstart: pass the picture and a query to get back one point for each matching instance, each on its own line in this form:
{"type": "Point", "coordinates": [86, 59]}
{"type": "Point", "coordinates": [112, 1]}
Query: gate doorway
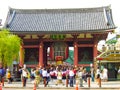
{"type": "Point", "coordinates": [31, 56]}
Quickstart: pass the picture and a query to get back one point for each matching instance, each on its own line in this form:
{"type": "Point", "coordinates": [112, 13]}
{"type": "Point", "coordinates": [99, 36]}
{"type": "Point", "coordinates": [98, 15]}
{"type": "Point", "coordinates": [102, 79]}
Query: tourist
{"type": "Point", "coordinates": [92, 73]}
{"type": "Point", "coordinates": [98, 75]}
{"type": "Point", "coordinates": [75, 71]}
{"type": "Point", "coordinates": [48, 76]}
{"type": "Point", "coordinates": [44, 75]}
{"type": "Point", "coordinates": [59, 77]}
{"type": "Point", "coordinates": [9, 77]}
{"type": "Point", "coordinates": [80, 75]}
{"type": "Point", "coordinates": [98, 72]}
{"type": "Point", "coordinates": [37, 78]}
{"type": "Point", "coordinates": [84, 74]}
{"type": "Point", "coordinates": [71, 77]}
{"type": "Point", "coordinates": [32, 74]}
{"type": "Point", "coordinates": [52, 74]}
{"type": "Point", "coordinates": [105, 74]}
{"type": "Point", "coordinates": [25, 73]}
{"type": "Point", "coordinates": [2, 73]}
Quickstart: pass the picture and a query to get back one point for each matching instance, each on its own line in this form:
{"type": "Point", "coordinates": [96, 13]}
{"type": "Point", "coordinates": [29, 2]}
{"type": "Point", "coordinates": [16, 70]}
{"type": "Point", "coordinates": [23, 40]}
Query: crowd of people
{"type": "Point", "coordinates": [58, 73]}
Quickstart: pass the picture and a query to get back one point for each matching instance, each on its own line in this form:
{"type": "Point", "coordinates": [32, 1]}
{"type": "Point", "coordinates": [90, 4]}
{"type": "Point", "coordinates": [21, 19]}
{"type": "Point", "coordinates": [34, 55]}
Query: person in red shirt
{"type": "Point", "coordinates": [75, 71]}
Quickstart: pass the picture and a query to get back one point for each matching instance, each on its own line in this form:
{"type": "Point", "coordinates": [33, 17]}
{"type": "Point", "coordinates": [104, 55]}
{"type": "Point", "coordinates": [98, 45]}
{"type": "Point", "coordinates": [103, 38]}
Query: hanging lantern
{"type": "Point", "coordinates": [59, 49]}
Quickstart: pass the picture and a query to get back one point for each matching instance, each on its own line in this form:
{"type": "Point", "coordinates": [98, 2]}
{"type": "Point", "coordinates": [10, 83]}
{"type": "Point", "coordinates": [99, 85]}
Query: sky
{"type": "Point", "coordinates": [52, 4]}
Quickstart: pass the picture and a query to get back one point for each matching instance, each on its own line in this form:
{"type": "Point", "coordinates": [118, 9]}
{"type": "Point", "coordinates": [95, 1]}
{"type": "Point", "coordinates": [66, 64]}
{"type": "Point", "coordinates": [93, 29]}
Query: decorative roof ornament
{"type": "Point", "coordinates": [10, 20]}
{"type": "Point", "coordinates": [105, 15]}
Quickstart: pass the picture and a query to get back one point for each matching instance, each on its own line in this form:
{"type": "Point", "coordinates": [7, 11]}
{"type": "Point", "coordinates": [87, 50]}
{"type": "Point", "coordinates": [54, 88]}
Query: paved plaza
{"type": "Point", "coordinates": [93, 85]}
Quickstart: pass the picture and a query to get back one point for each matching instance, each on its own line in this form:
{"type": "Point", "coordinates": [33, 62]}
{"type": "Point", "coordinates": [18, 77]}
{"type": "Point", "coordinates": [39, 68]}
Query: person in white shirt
{"type": "Point", "coordinates": [25, 73]}
{"type": "Point", "coordinates": [71, 77]}
{"type": "Point", "coordinates": [98, 72]}
{"type": "Point", "coordinates": [44, 75]}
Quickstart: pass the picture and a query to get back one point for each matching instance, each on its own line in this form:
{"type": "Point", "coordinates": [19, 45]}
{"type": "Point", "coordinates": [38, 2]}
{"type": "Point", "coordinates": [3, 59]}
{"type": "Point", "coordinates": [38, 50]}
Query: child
{"type": "Point", "coordinates": [9, 77]}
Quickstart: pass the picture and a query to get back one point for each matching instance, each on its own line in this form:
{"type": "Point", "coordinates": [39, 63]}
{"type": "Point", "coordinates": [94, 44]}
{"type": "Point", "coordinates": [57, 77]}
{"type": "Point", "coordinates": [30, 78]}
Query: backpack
{"type": "Point", "coordinates": [8, 75]}
{"type": "Point", "coordinates": [1, 72]}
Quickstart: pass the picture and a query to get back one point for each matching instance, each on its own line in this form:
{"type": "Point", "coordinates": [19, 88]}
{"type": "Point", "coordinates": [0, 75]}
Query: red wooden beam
{"type": "Point", "coordinates": [86, 45]}
{"type": "Point", "coordinates": [31, 46]}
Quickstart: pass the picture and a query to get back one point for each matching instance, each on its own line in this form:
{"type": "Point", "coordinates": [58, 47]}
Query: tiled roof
{"type": "Point", "coordinates": [60, 20]}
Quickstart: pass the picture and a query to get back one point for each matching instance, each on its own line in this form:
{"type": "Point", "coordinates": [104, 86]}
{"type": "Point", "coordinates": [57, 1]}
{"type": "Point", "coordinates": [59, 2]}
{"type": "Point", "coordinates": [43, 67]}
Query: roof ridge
{"type": "Point", "coordinates": [91, 9]}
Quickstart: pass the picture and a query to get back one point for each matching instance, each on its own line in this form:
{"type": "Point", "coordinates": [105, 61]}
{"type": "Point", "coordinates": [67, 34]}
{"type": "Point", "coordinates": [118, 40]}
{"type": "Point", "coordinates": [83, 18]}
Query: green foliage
{"type": "Point", "coordinates": [111, 41]}
{"type": "Point", "coordinates": [9, 47]}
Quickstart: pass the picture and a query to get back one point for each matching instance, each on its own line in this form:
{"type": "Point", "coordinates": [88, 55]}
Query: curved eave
{"type": "Point", "coordinates": [63, 32]}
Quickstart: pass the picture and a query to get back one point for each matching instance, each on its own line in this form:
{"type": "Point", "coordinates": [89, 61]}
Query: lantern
{"type": "Point", "coordinates": [59, 49]}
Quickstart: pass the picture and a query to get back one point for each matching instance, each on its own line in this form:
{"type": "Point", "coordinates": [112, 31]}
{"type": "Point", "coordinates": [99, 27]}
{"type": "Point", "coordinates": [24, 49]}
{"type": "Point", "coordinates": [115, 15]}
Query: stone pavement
{"type": "Point", "coordinates": [109, 84]}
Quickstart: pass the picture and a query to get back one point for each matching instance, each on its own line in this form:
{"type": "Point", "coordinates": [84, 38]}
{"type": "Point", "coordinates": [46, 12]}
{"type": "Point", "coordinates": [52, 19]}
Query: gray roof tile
{"type": "Point", "coordinates": [59, 20]}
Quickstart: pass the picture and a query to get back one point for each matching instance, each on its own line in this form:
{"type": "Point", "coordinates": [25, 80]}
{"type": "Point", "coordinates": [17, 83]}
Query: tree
{"type": "Point", "coordinates": [9, 47]}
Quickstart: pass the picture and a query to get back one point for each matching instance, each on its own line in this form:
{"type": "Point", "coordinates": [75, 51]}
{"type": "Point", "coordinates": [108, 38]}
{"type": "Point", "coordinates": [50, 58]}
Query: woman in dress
{"type": "Point", "coordinates": [105, 74]}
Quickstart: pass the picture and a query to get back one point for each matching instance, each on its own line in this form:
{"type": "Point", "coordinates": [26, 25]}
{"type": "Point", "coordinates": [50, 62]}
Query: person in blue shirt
{"type": "Point", "coordinates": [2, 73]}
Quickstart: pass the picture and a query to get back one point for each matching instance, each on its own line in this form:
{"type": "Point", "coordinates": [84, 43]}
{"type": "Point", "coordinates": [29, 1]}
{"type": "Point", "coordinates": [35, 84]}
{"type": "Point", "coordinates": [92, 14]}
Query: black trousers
{"type": "Point", "coordinates": [24, 81]}
{"type": "Point", "coordinates": [1, 78]}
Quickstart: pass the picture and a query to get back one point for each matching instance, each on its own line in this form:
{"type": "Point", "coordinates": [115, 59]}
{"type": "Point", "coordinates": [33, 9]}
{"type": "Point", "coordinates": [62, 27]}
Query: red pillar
{"type": "Point", "coordinates": [95, 54]}
{"type": "Point", "coordinates": [21, 56]}
{"type": "Point", "coordinates": [66, 52]}
{"type": "Point", "coordinates": [95, 50]}
{"type": "Point", "coordinates": [51, 52]}
{"type": "Point", "coordinates": [75, 54]}
{"type": "Point", "coordinates": [41, 54]}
